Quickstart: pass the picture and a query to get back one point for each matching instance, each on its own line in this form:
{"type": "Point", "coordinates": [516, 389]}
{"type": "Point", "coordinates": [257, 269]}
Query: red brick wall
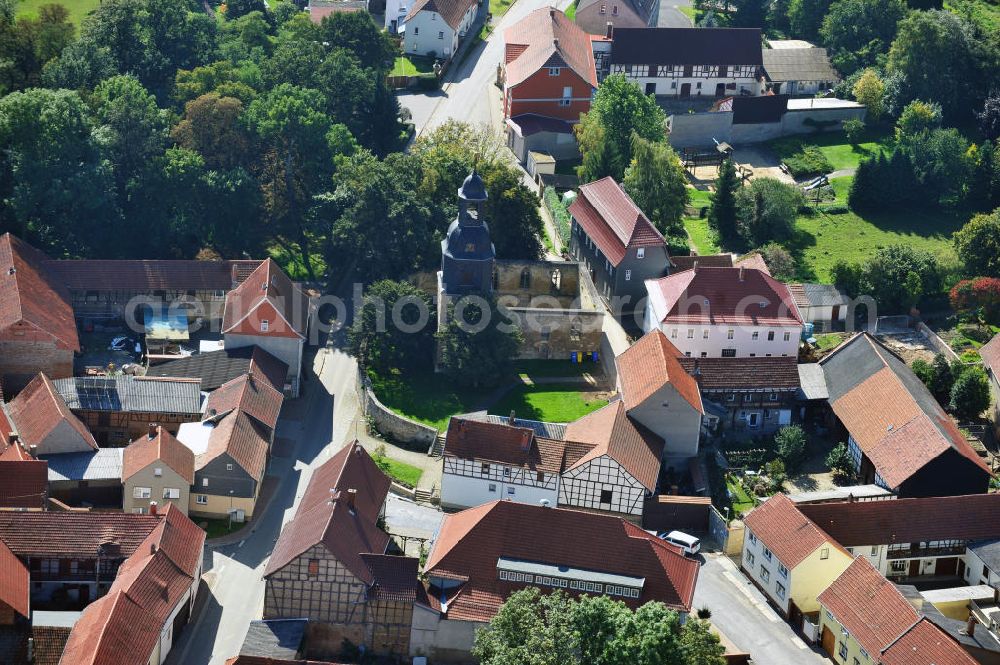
{"type": "Point", "coordinates": [541, 86]}
{"type": "Point", "coordinates": [23, 357]}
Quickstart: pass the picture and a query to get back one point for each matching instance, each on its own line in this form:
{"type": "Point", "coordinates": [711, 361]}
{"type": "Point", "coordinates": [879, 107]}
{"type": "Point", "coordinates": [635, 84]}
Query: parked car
{"type": "Point", "coordinates": [686, 542]}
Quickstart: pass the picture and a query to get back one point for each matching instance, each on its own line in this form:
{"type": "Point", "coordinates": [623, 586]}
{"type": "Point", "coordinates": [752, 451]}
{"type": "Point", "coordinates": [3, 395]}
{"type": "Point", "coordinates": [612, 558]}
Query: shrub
{"type": "Point", "coordinates": [970, 394]}
{"type": "Point", "coordinates": [854, 128]}
{"type": "Point", "coordinates": [809, 161]}
{"type": "Point", "coordinates": [980, 296]}
{"type": "Point", "coordinates": [790, 444]}
{"type": "Point", "coordinates": [840, 462]}
{"type": "Point", "coordinates": [559, 214]}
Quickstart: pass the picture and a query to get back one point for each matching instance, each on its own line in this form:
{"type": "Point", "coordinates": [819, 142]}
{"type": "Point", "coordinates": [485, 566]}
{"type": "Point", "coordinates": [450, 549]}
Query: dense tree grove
{"type": "Point", "coordinates": [534, 628]}
{"type": "Point", "coordinates": [160, 130]}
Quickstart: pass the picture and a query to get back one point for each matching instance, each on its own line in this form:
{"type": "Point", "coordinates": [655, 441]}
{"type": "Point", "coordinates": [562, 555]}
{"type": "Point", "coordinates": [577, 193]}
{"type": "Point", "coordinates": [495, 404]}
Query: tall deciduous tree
{"type": "Point", "coordinates": [387, 333]}
{"type": "Point", "coordinates": [978, 245]}
{"type": "Point", "coordinates": [56, 187]}
{"type": "Point", "coordinates": [869, 90]}
{"type": "Point", "coordinates": [970, 395]}
{"type": "Point", "coordinates": [766, 210]}
{"type": "Point", "coordinates": [479, 342]}
{"type": "Point", "coordinates": [856, 32]}
{"type": "Point", "coordinates": [806, 16]}
{"type": "Point", "coordinates": [657, 183]}
{"type": "Point", "coordinates": [212, 126]}
{"type": "Point", "coordinates": [620, 108]}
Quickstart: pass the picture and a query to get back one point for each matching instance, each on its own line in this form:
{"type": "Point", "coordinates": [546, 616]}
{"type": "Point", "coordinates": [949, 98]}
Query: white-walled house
{"type": "Point", "coordinates": [434, 28]}
{"type": "Point", "coordinates": [689, 62]}
{"type": "Point", "coordinates": [724, 313]}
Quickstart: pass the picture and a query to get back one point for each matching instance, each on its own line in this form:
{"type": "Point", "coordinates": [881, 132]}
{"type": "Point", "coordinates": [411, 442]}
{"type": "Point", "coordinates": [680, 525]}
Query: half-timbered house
{"type": "Point", "coordinates": [689, 62]}
{"type": "Point", "coordinates": [330, 563]}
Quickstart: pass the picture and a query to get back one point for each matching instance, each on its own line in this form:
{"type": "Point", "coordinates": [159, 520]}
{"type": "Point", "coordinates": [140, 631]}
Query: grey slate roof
{"type": "Point", "coordinates": [798, 64]}
{"type": "Point", "coordinates": [131, 394]}
{"type": "Point", "coordinates": [817, 295]}
{"type": "Point", "coordinates": [812, 382]}
{"type": "Point", "coordinates": [278, 639]}
{"type": "Point", "coordinates": [681, 46]}
{"type": "Point", "coordinates": [989, 552]}
{"type": "Point", "coordinates": [103, 464]}
{"type": "Point", "coordinates": [217, 367]}
{"type": "Point", "coordinates": [555, 431]}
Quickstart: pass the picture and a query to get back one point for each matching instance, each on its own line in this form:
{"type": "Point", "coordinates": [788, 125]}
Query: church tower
{"type": "Point", "coordinates": [467, 254]}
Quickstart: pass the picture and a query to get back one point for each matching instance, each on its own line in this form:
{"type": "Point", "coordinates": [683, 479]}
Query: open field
{"type": "Point", "coordinates": [78, 9]}
{"type": "Point", "coordinates": [558, 404]}
{"type": "Point", "coordinates": [834, 146]}
{"type": "Point", "coordinates": [411, 65]}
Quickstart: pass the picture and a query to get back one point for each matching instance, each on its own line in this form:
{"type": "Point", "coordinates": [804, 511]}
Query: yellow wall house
{"type": "Point", "coordinates": [865, 620]}
{"type": "Point", "coordinates": [790, 558]}
{"type": "Point", "coordinates": [156, 469]}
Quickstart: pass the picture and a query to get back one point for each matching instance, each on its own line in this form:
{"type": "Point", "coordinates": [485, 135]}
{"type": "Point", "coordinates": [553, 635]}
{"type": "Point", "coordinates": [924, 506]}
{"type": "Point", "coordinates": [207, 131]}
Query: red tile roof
{"type": "Point", "coordinates": [504, 444]}
{"type": "Point", "coordinates": [470, 543]}
{"type": "Point", "coordinates": [680, 298]}
{"type": "Point", "coordinates": [39, 409]}
{"type": "Point", "coordinates": [909, 429]}
{"type": "Point", "coordinates": [161, 447]}
{"type": "Point", "coordinates": [240, 437]}
{"type": "Point", "coordinates": [777, 373]}
{"type": "Point", "coordinates": [267, 294]}
{"type": "Point", "coordinates": [869, 606]}
{"type": "Point", "coordinates": [327, 518]}
{"type": "Point", "coordinates": [394, 578]}
{"type": "Point", "coordinates": [31, 296]}
{"type": "Point", "coordinates": [546, 38]}
{"type": "Point", "coordinates": [71, 534]}
{"type": "Point", "coordinates": [148, 275]}
{"type": "Point", "coordinates": [124, 627]}
{"type": "Point", "coordinates": [753, 260]}
{"type": "Point", "coordinates": [451, 11]}
{"type": "Point", "coordinates": [990, 353]}
{"type": "Point", "coordinates": [612, 220]}
{"type": "Point", "coordinates": [250, 394]}
{"type": "Point", "coordinates": [703, 261]}
{"type": "Point", "coordinates": [24, 483]}
{"type": "Point", "coordinates": [857, 523]}
{"type": "Point", "coordinates": [15, 590]}
{"type": "Point", "coordinates": [926, 644]}
{"type": "Point", "coordinates": [610, 431]}
{"type": "Point", "coordinates": [789, 534]}
{"type": "Point", "coordinates": [648, 365]}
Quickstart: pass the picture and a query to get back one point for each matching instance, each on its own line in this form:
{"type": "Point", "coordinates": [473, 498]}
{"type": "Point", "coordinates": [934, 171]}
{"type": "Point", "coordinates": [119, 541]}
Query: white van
{"type": "Point", "coordinates": [688, 543]}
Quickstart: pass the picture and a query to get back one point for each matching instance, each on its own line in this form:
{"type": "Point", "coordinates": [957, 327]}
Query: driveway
{"type": "Point", "coordinates": [740, 611]}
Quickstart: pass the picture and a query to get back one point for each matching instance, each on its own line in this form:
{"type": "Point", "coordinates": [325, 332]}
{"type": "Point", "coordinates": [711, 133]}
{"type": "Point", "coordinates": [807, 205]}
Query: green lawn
{"type": "Point", "coordinates": [822, 239]}
{"type": "Point", "coordinates": [739, 499]}
{"type": "Point", "coordinates": [702, 237]}
{"type": "Point", "coordinates": [428, 398]}
{"type": "Point", "coordinates": [291, 261]}
{"type": "Point", "coordinates": [829, 340]}
{"type": "Point", "coordinates": [551, 403]}
{"type": "Point", "coordinates": [411, 65]}
{"type": "Point", "coordinates": [78, 9]}
{"type": "Point", "coordinates": [550, 368]}
{"type": "Point", "coordinates": [216, 528]}
{"type": "Point", "coordinates": [406, 474]}
{"type": "Point", "coordinates": [834, 146]}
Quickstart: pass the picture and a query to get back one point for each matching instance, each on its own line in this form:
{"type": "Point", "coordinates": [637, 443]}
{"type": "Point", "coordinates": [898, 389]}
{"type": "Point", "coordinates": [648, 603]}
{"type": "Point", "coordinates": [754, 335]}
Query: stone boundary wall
{"type": "Point", "coordinates": [390, 424]}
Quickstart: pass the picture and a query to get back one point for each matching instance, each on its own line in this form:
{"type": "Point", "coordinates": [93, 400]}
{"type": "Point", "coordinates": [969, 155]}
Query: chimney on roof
{"type": "Point", "coordinates": [152, 431]}
{"type": "Point", "coordinates": [694, 266]}
{"type": "Point", "coordinates": [351, 496]}
{"type": "Point", "coordinates": [609, 31]}
{"type": "Point", "coordinates": [11, 270]}
{"type": "Point", "coordinates": [11, 438]}
{"type": "Point", "coordinates": [33, 450]}
{"type": "Point", "coordinates": [851, 498]}
{"type": "Point", "coordinates": [696, 373]}
{"type": "Point", "coordinates": [152, 549]}
{"type": "Point", "coordinates": [152, 508]}
{"type": "Point", "coordinates": [741, 273]}
{"type": "Point", "coordinates": [555, 42]}
{"type": "Point", "coordinates": [552, 12]}
{"type": "Point", "coordinates": [511, 419]}
{"type": "Point", "coordinates": [970, 625]}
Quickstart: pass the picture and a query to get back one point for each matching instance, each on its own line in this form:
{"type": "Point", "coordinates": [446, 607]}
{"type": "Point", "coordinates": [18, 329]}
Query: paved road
{"type": "Point", "coordinates": [468, 92]}
{"type": "Point", "coordinates": [235, 592]}
{"type": "Point", "coordinates": [740, 611]}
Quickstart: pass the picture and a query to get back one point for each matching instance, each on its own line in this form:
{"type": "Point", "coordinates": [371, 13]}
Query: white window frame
{"type": "Point", "coordinates": [264, 325]}
{"type": "Point", "coordinates": [142, 492]}
{"type": "Point", "coordinates": [171, 493]}
{"type": "Point", "coordinates": [201, 499]}
{"type": "Point", "coordinates": [640, 253]}
{"type": "Point", "coordinates": [628, 275]}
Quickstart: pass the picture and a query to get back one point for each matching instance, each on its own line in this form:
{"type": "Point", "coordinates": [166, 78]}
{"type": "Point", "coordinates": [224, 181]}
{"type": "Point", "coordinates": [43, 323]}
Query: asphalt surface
{"type": "Point", "coordinates": [740, 611]}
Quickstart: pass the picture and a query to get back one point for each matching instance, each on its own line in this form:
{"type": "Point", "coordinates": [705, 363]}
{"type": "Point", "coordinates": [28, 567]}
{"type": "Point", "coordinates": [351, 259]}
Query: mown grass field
{"type": "Point", "coordinates": [78, 9]}
{"type": "Point", "coordinates": [405, 473]}
{"type": "Point", "coordinates": [834, 146]}
{"type": "Point", "coordinates": [557, 404]}
{"type": "Point", "coordinates": [411, 65]}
